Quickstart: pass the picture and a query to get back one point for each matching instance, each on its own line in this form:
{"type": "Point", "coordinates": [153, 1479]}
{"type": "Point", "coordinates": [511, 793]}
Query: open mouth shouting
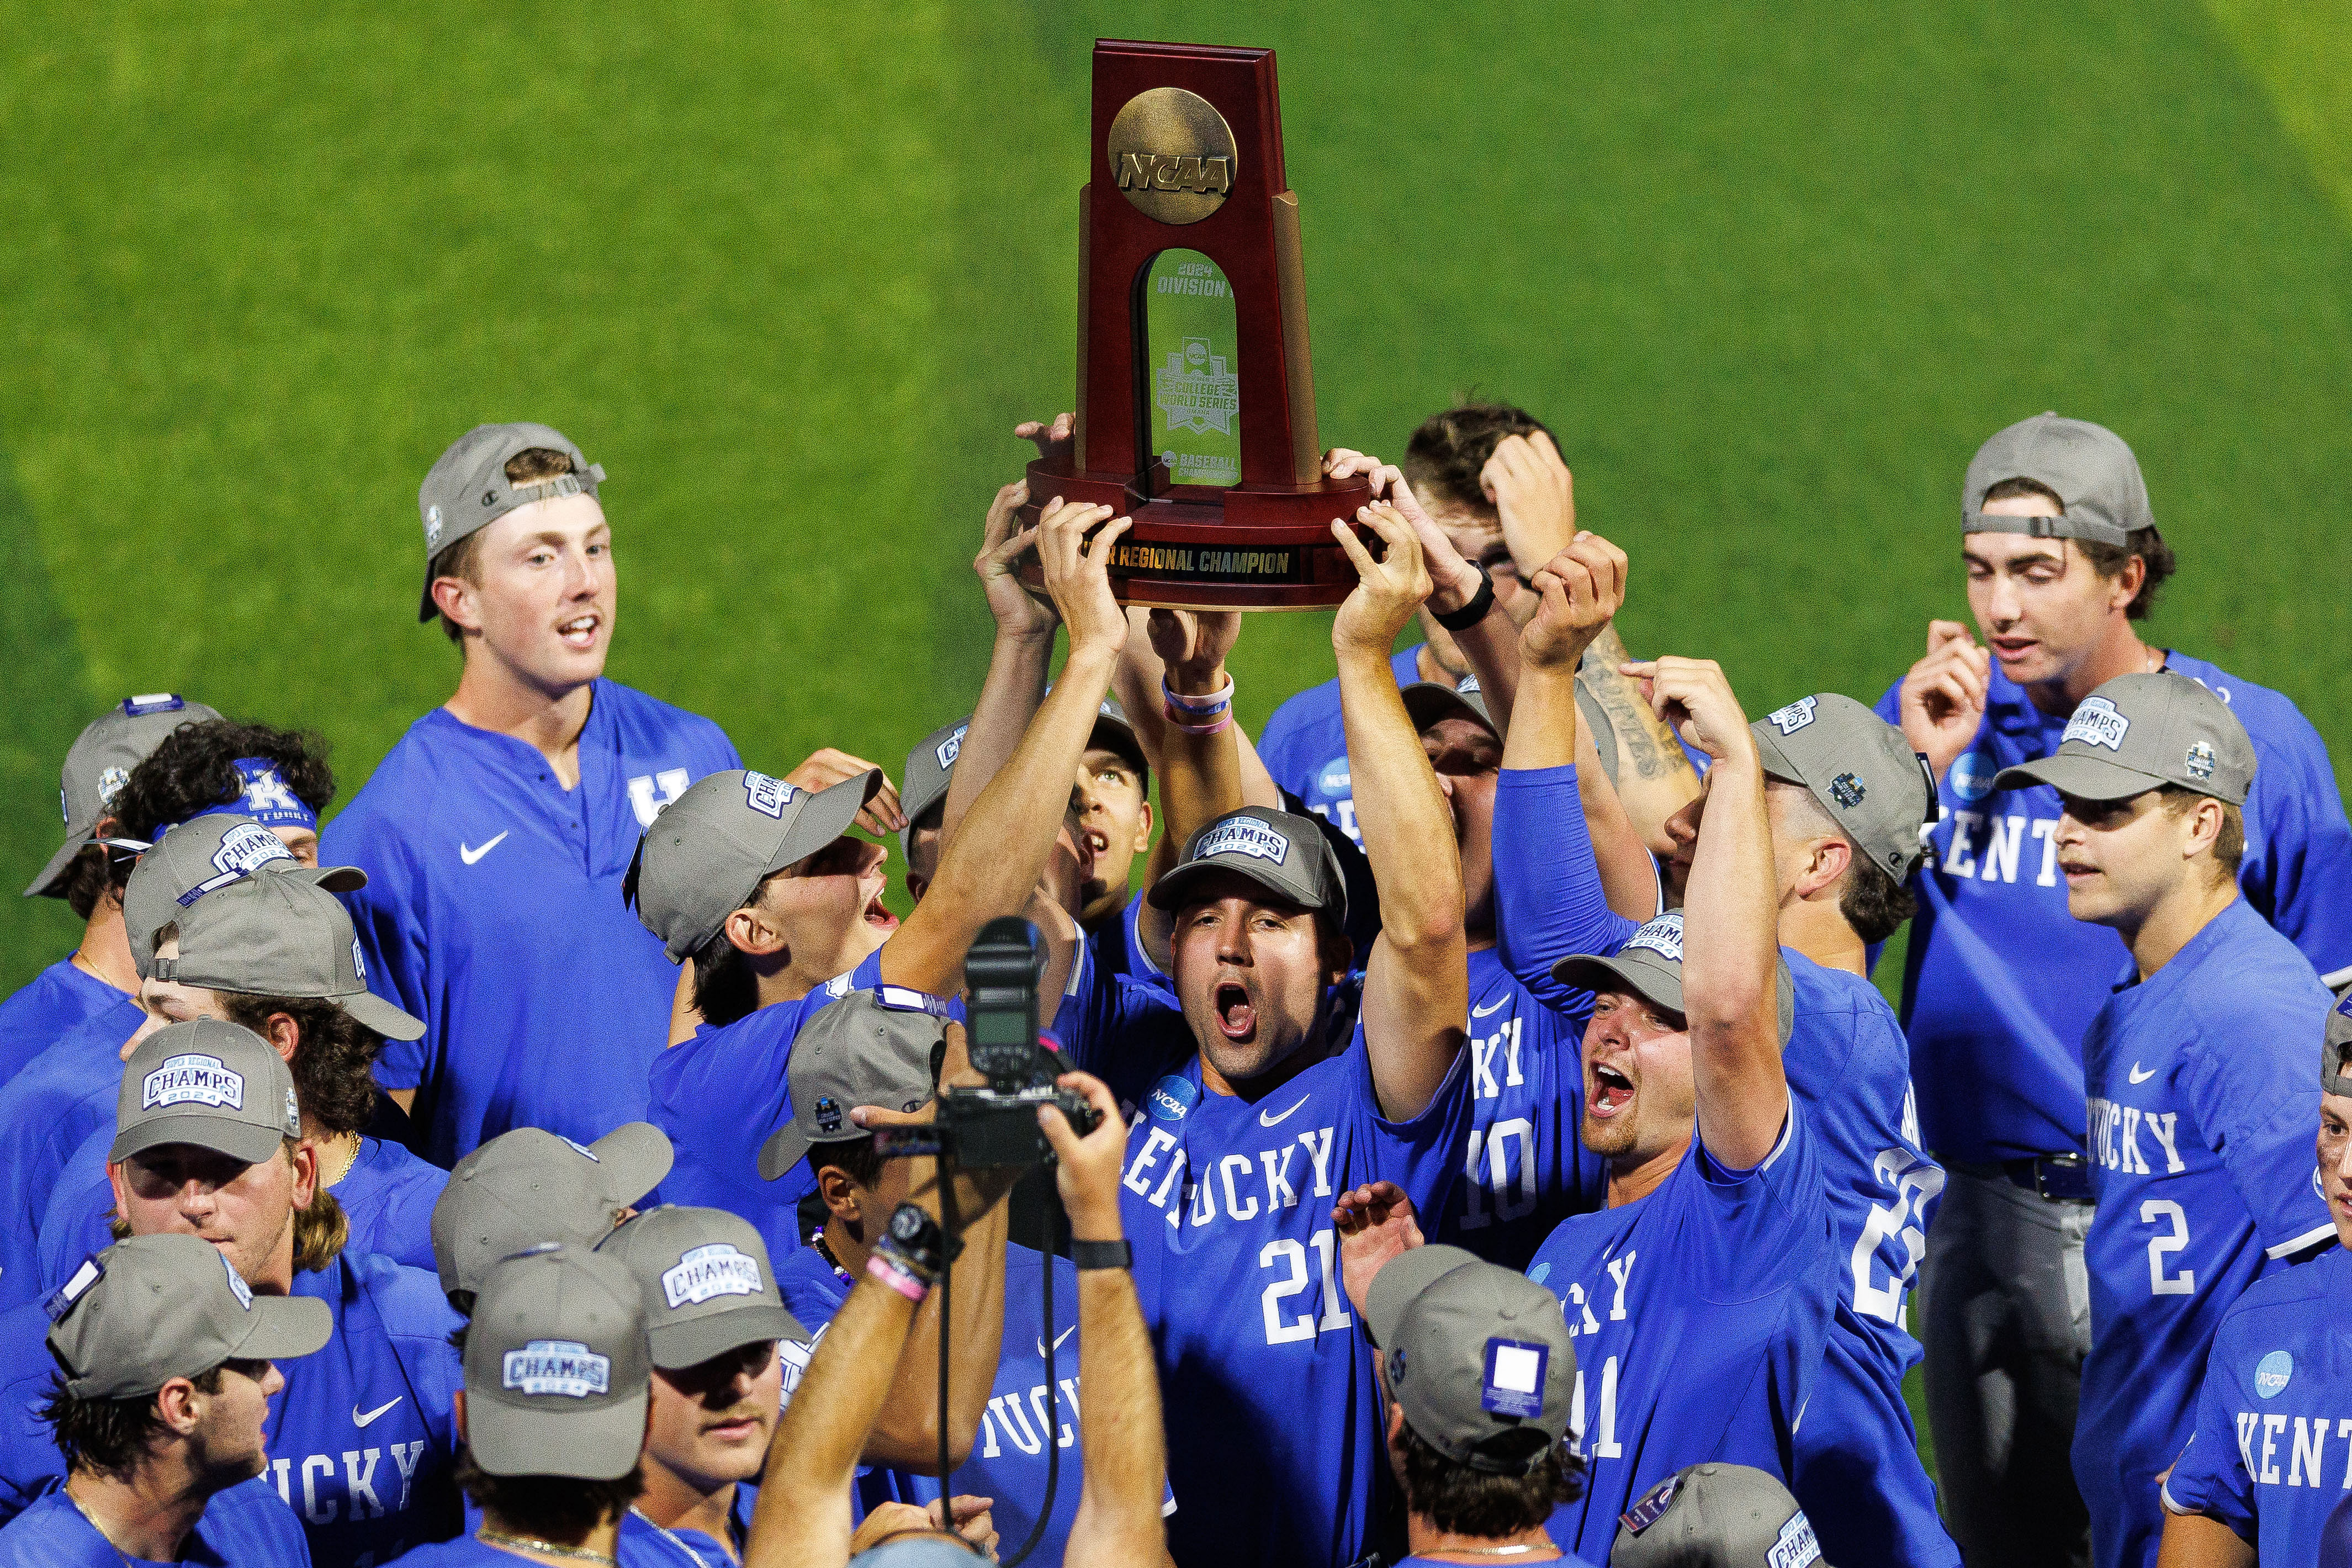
{"type": "Point", "coordinates": [1236, 1014]}
{"type": "Point", "coordinates": [1608, 1094]}
{"type": "Point", "coordinates": [879, 917]}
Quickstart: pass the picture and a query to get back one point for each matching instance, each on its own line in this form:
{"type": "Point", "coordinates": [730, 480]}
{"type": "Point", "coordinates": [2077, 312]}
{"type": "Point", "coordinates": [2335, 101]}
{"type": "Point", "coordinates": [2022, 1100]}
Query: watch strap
{"type": "Point", "coordinates": [1102, 1254]}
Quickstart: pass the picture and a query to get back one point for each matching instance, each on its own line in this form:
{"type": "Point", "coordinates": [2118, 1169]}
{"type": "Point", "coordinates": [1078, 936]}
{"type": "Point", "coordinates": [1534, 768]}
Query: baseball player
{"type": "Point", "coordinates": [207, 1142]}
{"type": "Point", "coordinates": [160, 1402]}
{"type": "Point", "coordinates": [87, 871]}
{"type": "Point", "coordinates": [276, 955]}
{"type": "Point", "coordinates": [1716, 1516]}
{"type": "Point", "coordinates": [496, 835]}
{"type": "Point", "coordinates": [2199, 1117]}
{"type": "Point", "coordinates": [2271, 1419]}
{"type": "Point", "coordinates": [527, 1187]}
{"type": "Point", "coordinates": [278, 778]}
{"type": "Point", "coordinates": [716, 1326]}
{"type": "Point", "coordinates": [2062, 558]}
{"type": "Point", "coordinates": [753, 881]}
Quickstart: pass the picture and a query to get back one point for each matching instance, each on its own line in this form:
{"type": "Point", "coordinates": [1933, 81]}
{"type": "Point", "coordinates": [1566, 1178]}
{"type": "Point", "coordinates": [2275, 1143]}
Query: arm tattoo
{"type": "Point", "coordinates": [1643, 737]}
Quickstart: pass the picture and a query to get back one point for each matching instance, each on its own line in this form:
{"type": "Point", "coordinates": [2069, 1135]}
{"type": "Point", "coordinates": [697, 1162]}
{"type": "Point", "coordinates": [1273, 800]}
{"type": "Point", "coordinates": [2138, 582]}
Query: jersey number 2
{"type": "Point", "coordinates": [2159, 1283]}
{"type": "Point", "coordinates": [1281, 1328]}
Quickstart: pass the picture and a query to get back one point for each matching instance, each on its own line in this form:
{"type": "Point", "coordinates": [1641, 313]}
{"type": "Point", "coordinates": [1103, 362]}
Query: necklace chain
{"type": "Point", "coordinates": [348, 1160]}
{"type": "Point", "coordinates": [689, 1552]}
{"type": "Point", "coordinates": [548, 1548]}
{"type": "Point", "coordinates": [92, 1519]}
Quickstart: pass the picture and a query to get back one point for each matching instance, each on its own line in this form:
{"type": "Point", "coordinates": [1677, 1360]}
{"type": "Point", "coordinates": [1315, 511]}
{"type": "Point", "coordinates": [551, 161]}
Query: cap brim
{"type": "Point", "coordinates": [695, 1341]}
{"type": "Point", "coordinates": [286, 1327]}
{"type": "Point", "coordinates": [1170, 891]}
{"type": "Point", "coordinates": [785, 1148]}
{"type": "Point", "coordinates": [334, 879]}
{"type": "Point", "coordinates": [237, 1139]}
{"type": "Point", "coordinates": [825, 818]}
{"type": "Point", "coordinates": [2085, 778]}
{"type": "Point", "coordinates": [381, 1015]}
{"type": "Point", "coordinates": [1656, 982]}
{"type": "Point", "coordinates": [1111, 734]}
{"type": "Point", "coordinates": [1771, 758]}
{"type": "Point", "coordinates": [1427, 703]}
{"type": "Point", "coordinates": [57, 865]}
{"type": "Point", "coordinates": [558, 1438]}
{"type": "Point", "coordinates": [1403, 1277]}
{"type": "Point", "coordinates": [635, 1156]}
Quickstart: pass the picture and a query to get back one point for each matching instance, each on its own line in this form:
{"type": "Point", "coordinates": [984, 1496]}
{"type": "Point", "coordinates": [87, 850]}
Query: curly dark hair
{"type": "Point", "coordinates": [335, 1061]}
{"type": "Point", "coordinates": [2107, 560]}
{"type": "Point", "coordinates": [1442, 458]}
{"type": "Point", "coordinates": [1465, 1501]}
{"type": "Point", "coordinates": [109, 1437]}
{"type": "Point", "coordinates": [553, 1508]}
{"type": "Point", "coordinates": [87, 877]}
{"type": "Point", "coordinates": [195, 768]}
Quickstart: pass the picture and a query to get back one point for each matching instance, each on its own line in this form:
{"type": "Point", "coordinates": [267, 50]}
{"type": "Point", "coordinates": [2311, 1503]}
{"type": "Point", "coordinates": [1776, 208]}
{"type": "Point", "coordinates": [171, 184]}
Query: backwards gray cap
{"type": "Point", "coordinates": [1716, 1516]}
{"type": "Point", "coordinates": [203, 855]}
{"type": "Point", "coordinates": [530, 1185]}
{"type": "Point", "coordinates": [708, 852]}
{"type": "Point", "coordinates": [708, 1284]}
{"type": "Point", "coordinates": [99, 763]}
{"type": "Point", "coordinates": [2139, 733]}
{"type": "Point", "coordinates": [557, 1367]}
{"type": "Point", "coordinates": [1650, 965]}
{"type": "Point", "coordinates": [924, 783]}
{"type": "Point", "coordinates": [466, 488]}
{"type": "Point", "coordinates": [1282, 853]}
{"type": "Point", "coordinates": [280, 936]}
{"type": "Point", "coordinates": [1473, 1353]}
{"type": "Point", "coordinates": [202, 1082]}
{"type": "Point", "coordinates": [870, 1048]}
{"type": "Point", "coordinates": [1860, 768]}
{"type": "Point", "coordinates": [155, 1308]}
{"type": "Point", "coordinates": [2086, 466]}
{"type": "Point", "coordinates": [2336, 1051]}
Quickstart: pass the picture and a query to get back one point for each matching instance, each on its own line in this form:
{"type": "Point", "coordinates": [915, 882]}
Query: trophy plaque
{"type": "Point", "coordinates": [1195, 404]}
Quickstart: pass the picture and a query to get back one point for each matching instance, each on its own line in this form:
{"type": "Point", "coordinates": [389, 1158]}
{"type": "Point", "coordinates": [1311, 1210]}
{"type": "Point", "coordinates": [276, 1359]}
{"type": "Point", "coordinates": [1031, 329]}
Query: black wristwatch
{"type": "Point", "coordinates": [915, 1239]}
{"type": "Point", "coordinates": [1474, 611]}
{"type": "Point", "coordinates": [1102, 1254]}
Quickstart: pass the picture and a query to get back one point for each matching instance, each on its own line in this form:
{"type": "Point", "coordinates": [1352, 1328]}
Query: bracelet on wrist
{"type": "Point", "coordinates": [894, 1273]}
{"type": "Point", "coordinates": [1190, 724]}
{"type": "Point", "coordinates": [915, 1245]}
{"type": "Point", "coordinates": [1206, 704]}
{"type": "Point", "coordinates": [1474, 610]}
{"type": "Point", "coordinates": [1086, 1254]}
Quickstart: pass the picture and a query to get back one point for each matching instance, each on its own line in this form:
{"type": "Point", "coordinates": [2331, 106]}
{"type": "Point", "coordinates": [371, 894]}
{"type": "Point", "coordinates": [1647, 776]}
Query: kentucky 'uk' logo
{"type": "Point", "coordinates": [191, 1079]}
{"type": "Point", "coordinates": [1244, 836]}
{"type": "Point", "coordinates": [2097, 723]}
{"type": "Point", "coordinates": [1196, 390]}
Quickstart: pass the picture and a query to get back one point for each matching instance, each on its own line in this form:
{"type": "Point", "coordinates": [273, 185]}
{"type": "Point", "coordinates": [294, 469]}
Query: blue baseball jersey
{"type": "Point", "coordinates": [2271, 1453]}
{"type": "Point", "coordinates": [644, 1541]}
{"type": "Point", "coordinates": [243, 1526]}
{"type": "Point", "coordinates": [1266, 1379]}
{"type": "Point", "coordinates": [46, 1009]}
{"type": "Point", "coordinates": [493, 912]}
{"type": "Point", "coordinates": [1699, 1314]}
{"type": "Point", "coordinates": [1118, 948]}
{"type": "Point", "coordinates": [2000, 982]}
{"type": "Point", "coordinates": [2201, 1123]}
{"type": "Point", "coordinates": [63, 1096]}
{"type": "Point", "coordinates": [388, 1195]}
{"type": "Point", "coordinates": [1305, 746]}
{"type": "Point", "coordinates": [1858, 1472]}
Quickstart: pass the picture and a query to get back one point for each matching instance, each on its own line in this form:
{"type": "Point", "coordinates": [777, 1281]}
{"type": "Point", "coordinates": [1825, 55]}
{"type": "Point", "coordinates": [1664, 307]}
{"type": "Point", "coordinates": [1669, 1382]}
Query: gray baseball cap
{"type": "Point", "coordinates": [1650, 965]}
{"type": "Point", "coordinates": [2086, 466]}
{"type": "Point", "coordinates": [870, 1048]}
{"type": "Point", "coordinates": [1114, 732]}
{"type": "Point", "coordinates": [1477, 1354]}
{"type": "Point", "coordinates": [1431, 702]}
{"type": "Point", "coordinates": [467, 488]}
{"type": "Point", "coordinates": [203, 855]}
{"type": "Point", "coordinates": [529, 1185]}
{"type": "Point", "coordinates": [556, 1366]}
{"type": "Point", "coordinates": [209, 1084]}
{"type": "Point", "coordinates": [280, 936]}
{"type": "Point", "coordinates": [708, 1286]}
{"type": "Point", "coordinates": [153, 1308]}
{"type": "Point", "coordinates": [99, 763]}
{"type": "Point", "coordinates": [1860, 768]}
{"type": "Point", "coordinates": [708, 852]}
{"type": "Point", "coordinates": [916, 1551]}
{"type": "Point", "coordinates": [1282, 853]}
{"type": "Point", "coordinates": [2139, 733]}
{"type": "Point", "coordinates": [930, 767]}
{"type": "Point", "coordinates": [1716, 1516]}
{"type": "Point", "coordinates": [2336, 1051]}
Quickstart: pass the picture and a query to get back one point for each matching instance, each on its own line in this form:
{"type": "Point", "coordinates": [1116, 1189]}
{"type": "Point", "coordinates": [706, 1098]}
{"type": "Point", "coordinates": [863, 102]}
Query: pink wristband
{"type": "Point", "coordinates": [1188, 722]}
{"type": "Point", "coordinates": [898, 1279]}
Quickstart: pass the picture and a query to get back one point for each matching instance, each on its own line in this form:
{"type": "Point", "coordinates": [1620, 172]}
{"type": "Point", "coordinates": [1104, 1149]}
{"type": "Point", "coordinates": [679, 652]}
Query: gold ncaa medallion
{"type": "Point", "coordinates": [1172, 155]}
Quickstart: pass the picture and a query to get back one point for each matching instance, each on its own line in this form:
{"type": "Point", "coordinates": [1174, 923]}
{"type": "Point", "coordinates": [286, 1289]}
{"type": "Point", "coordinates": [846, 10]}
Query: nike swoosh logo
{"type": "Point", "coordinates": [1065, 1334]}
{"type": "Point", "coordinates": [1266, 1121]}
{"type": "Point", "coordinates": [470, 856]}
{"type": "Point", "coordinates": [359, 1420]}
{"type": "Point", "coordinates": [2139, 1075]}
{"type": "Point", "coordinates": [1481, 1012]}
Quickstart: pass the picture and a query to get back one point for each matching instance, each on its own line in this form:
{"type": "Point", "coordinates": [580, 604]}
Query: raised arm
{"type": "Point", "coordinates": [990, 866]}
{"type": "Point", "coordinates": [1731, 926]}
{"type": "Point", "coordinates": [1018, 660]}
{"type": "Point", "coordinates": [1201, 766]}
{"type": "Point", "coordinates": [1118, 1521]}
{"type": "Point", "coordinates": [1655, 778]}
{"type": "Point", "coordinates": [1416, 988]}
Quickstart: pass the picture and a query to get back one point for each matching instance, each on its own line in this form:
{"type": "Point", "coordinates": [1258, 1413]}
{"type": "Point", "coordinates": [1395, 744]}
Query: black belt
{"type": "Point", "coordinates": [2061, 1178]}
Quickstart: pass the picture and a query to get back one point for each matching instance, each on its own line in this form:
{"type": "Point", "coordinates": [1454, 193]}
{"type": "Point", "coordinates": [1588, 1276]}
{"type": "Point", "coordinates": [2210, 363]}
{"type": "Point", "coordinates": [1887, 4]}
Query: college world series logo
{"type": "Point", "coordinates": [1196, 391]}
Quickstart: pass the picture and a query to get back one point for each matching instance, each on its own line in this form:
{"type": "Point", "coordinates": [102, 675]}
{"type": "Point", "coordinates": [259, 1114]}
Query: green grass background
{"type": "Point", "coordinates": [791, 273]}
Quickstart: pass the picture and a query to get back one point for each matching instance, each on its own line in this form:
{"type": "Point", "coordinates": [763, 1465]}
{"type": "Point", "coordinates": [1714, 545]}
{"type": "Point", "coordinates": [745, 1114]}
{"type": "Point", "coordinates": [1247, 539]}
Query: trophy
{"type": "Point", "coordinates": [1195, 405]}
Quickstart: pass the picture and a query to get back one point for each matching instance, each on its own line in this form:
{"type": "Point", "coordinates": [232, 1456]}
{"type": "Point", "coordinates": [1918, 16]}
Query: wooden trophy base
{"type": "Point", "coordinates": [1198, 548]}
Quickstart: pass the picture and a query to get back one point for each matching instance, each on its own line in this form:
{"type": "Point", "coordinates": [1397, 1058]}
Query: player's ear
{"type": "Point", "coordinates": [748, 931]}
{"type": "Point", "coordinates": [839, 1193]}
{"type": "Point", "coordinates": [284, 1034]}
{"type": "Point", "coordinates": [1144, 822]}
{"type": "Point", "coordinates": [1832, 858]}
{"type": "Point", "coordinates": [454, 597]}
